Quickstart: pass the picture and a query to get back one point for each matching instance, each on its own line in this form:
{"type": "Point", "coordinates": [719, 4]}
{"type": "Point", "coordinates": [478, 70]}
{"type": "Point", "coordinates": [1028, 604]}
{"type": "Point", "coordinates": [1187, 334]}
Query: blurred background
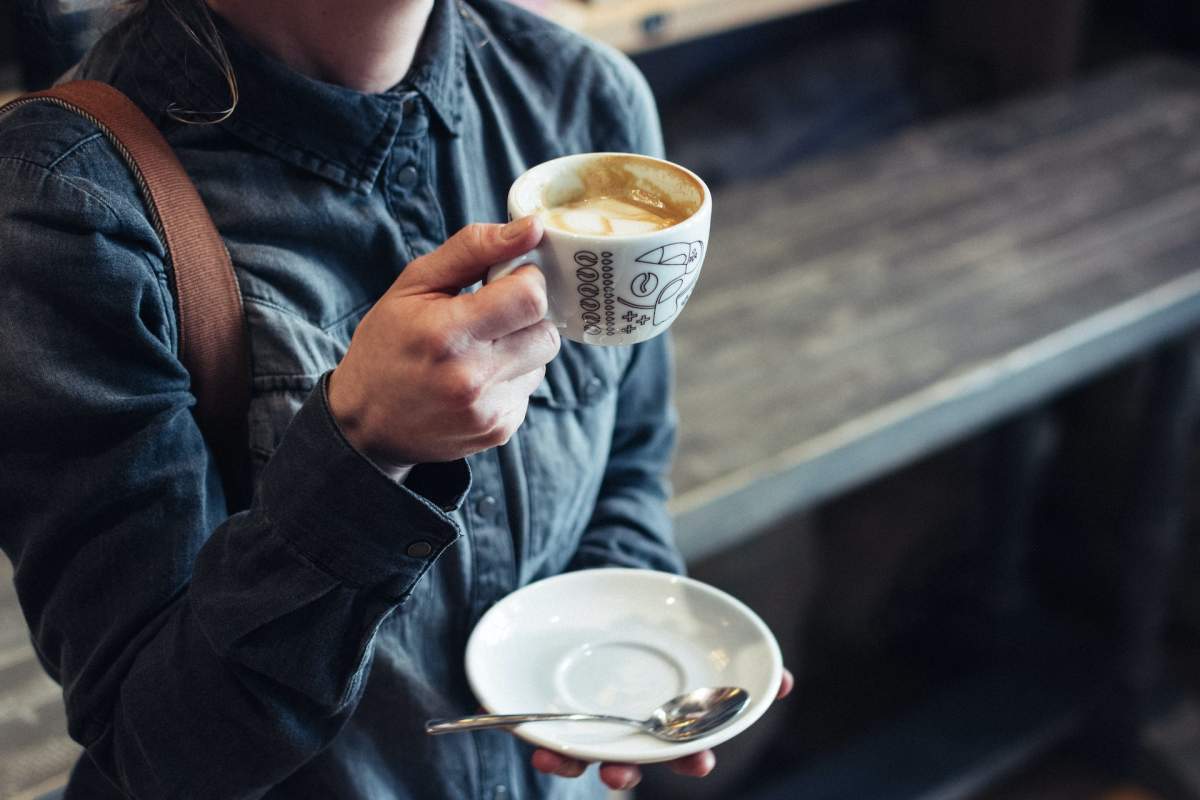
{"type": "Point", "coordinates": [946, 445]}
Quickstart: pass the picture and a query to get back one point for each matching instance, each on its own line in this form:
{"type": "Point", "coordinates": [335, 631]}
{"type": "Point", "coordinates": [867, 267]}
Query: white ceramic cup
{"type": "Point", "coordinates": [611, 289]}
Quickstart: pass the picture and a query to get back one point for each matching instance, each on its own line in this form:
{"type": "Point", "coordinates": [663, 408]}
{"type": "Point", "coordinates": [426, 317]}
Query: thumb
{"type": "Point", "coordinates": [467, 255]}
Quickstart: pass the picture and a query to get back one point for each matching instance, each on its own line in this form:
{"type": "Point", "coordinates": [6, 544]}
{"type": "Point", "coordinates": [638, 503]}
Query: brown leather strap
{"type": "Point", "coordinates": [212, 334]}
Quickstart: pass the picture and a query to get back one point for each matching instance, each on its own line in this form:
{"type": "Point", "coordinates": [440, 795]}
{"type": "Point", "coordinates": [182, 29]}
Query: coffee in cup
{"type": "Point", "coordinates": [625, 236]}
{"type": "Point", "coordinates": [612, 200]}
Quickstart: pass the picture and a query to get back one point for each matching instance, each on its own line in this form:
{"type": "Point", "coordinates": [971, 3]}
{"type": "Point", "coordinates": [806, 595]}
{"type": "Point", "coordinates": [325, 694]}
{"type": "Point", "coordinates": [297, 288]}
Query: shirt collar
{"type": "Point", "coordinates": [338, 133]}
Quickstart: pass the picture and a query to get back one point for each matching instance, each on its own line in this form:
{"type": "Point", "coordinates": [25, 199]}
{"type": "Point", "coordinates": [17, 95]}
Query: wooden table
{"type": "Point", "coordinates": [856, 314]}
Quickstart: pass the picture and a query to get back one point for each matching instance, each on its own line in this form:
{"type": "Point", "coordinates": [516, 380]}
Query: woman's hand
{"type": "Point", "coordinates": [435, 375]}
{"type": "Point", "coordinates": [626, 776]}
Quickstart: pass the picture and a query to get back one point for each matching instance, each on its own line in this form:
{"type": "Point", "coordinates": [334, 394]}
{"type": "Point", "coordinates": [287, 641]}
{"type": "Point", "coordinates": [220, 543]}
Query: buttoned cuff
{"type": "Point", "coordinates": [348, 517]}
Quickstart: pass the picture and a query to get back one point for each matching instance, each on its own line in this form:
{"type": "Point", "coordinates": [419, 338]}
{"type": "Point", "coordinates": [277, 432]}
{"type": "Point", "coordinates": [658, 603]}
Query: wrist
{"type": "Point", "coordinates": [348, 411]}
{"type": "Point", "coordinates": [350, 416]}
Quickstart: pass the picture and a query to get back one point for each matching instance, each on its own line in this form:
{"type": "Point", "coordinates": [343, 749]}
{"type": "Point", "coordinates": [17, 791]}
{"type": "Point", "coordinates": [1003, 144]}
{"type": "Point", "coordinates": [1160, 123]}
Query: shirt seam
{"type": "Point", "coordinates": [53, 165]}
{"type": "Point", "coordinates": [300, 552]}
{"type": "Point", "coordinates": [324, 327]}
{"type": "Point", "coordinates": [166, 300]}
{"type": "Point", "coordinates": [309, 558]}
{"type": "Point", "coordinates": [67, 181]}
{"type": "Point", "coordinates": [85, 136]}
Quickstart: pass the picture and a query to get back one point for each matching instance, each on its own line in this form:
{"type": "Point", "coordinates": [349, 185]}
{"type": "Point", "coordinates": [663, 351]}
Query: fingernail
{"type": "Point", "coordinates": [516, 229]}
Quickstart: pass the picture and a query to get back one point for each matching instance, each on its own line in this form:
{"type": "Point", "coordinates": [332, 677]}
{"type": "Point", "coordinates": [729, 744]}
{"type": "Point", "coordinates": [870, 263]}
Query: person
{"type": "Point", "coordinates": [421, 445]}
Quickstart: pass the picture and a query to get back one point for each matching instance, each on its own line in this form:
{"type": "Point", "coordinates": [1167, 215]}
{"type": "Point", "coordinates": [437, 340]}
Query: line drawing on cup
{"type": "Point", "coordinates": [676, 254]}
{"type": "Point", "coordinates": [674, 294]}
{"type": "Point", "coordinates": [589, 306]}
{"type": "Point", "coordinates": [606, 262]}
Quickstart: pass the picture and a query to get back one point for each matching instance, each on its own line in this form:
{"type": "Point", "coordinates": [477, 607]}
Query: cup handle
{"type": "Point", "coordinates": [534, 257]}
{"type": "Point", "coordinates": [498, 271]}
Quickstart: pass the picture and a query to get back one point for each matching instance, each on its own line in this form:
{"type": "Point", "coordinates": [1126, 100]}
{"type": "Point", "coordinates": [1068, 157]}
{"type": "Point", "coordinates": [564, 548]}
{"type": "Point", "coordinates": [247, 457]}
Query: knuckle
{"type": "Point", "coordinates": [489, 420]}
{"type": "Point", "coordinates": [475, 238]}
{"type": "Point", "coordinates": [463, 388]}
{"type": "Point", "coordinates": [530, 300]}
{"type": "Point", "coordinates": [503, 434]}
{"type": "Point", "coordinates": [506, 427]}
{"type": "Point", "coordinates": [442, 343]}
{"type": "Point", "coordinates": [479, 413]}
{"type": "Point", "coordinates": [553, 340]}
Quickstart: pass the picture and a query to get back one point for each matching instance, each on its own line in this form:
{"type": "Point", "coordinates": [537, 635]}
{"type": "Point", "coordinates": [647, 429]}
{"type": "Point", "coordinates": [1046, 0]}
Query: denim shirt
{"type": "Point", "coordinates": [295, 649]}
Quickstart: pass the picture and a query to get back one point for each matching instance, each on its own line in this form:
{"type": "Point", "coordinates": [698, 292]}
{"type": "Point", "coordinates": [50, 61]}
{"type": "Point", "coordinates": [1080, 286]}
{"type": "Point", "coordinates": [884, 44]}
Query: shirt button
{"type": "Point", "coordinates": [407, 177]}
{"type": "Point", "coordinates": [592, 387]}
{"type": "Point", "coordinates": [486, 506]}
{"type": "Point", "coordinates": [419, 549]}
{"type": "Point", "coordinates": [413, 123]}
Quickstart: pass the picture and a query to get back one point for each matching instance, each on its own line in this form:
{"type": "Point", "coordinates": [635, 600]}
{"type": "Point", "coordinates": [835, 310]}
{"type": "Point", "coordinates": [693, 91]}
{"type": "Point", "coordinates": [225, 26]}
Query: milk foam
{"type": "Point", "coordinates": [605, 216]}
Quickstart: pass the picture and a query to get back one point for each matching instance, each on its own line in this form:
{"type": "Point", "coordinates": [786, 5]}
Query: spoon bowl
{"type": "Point", "coordinates": [681, 719]}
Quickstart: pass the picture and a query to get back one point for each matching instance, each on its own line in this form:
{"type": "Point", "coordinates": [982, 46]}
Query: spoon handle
{"type": "Point", "coordinates": [481, 721]}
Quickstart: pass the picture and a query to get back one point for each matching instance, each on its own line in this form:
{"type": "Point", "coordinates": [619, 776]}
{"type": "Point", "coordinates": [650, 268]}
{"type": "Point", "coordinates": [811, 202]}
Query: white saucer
{"type": "Point", "coordinates": [618, 641]}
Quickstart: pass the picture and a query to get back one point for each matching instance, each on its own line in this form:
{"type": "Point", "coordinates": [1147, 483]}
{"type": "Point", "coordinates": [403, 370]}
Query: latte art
{"type": "Point", "coordinates": [623, 242]}
{"type": "Point", "coordinates": [610, 196]}
{"type": "Point", "coordinates": [606, 216]}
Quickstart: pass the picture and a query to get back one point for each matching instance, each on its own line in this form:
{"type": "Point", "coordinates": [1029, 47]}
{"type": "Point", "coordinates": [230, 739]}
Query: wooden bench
{"type": "Point", "coordinates": [35, 751]}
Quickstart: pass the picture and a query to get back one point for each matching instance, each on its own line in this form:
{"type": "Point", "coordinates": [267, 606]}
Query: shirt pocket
{"type": "Point", "coordinates": [565, 444]}
{"type": "Point", "coordinates": [274, 401]}
{"type": "Point", "coordinates": [289, 355]}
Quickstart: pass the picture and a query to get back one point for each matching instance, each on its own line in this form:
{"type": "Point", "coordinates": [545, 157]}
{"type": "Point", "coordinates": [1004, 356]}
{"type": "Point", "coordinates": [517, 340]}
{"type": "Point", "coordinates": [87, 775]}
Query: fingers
{"type": "Point", "coordinates": [696, 765]}
{"type": "Point", "coordinates": [513, 398]}
{"type": "Point", "coordinates": [785, 684]}
{"type": "Point", "coordinates": [555, 764]}
{"type": "Point", "coordinates": [620, 776]}
{"type": "Point", "coordinates": [615, 776]}
{"type": "Point", "coordinates": [466, 256]}
{"type": "Point", "coordinates": [434, 375]}
{"type": "Point", "coordinates": [525, 351]}
{"type": "Point", "coordinates": [506, 305]}
{"type": "Point", "coordinates": [521, 387]}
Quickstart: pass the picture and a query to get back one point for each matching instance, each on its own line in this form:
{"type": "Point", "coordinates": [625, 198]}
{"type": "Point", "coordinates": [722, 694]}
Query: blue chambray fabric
{"type": "Point", "coordinates": [294, 649]}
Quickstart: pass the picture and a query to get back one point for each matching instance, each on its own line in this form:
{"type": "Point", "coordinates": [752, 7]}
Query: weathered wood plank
{"type": "Point", "coordinates": [637, 25]}
{"type": "Point", "coordinates": [845, 290]}
{"type": "Point", "coordinates": [34, 747]}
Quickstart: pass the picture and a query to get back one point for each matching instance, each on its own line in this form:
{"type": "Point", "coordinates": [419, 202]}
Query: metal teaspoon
{"type": "Point", "coordinates": [680, 719]}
